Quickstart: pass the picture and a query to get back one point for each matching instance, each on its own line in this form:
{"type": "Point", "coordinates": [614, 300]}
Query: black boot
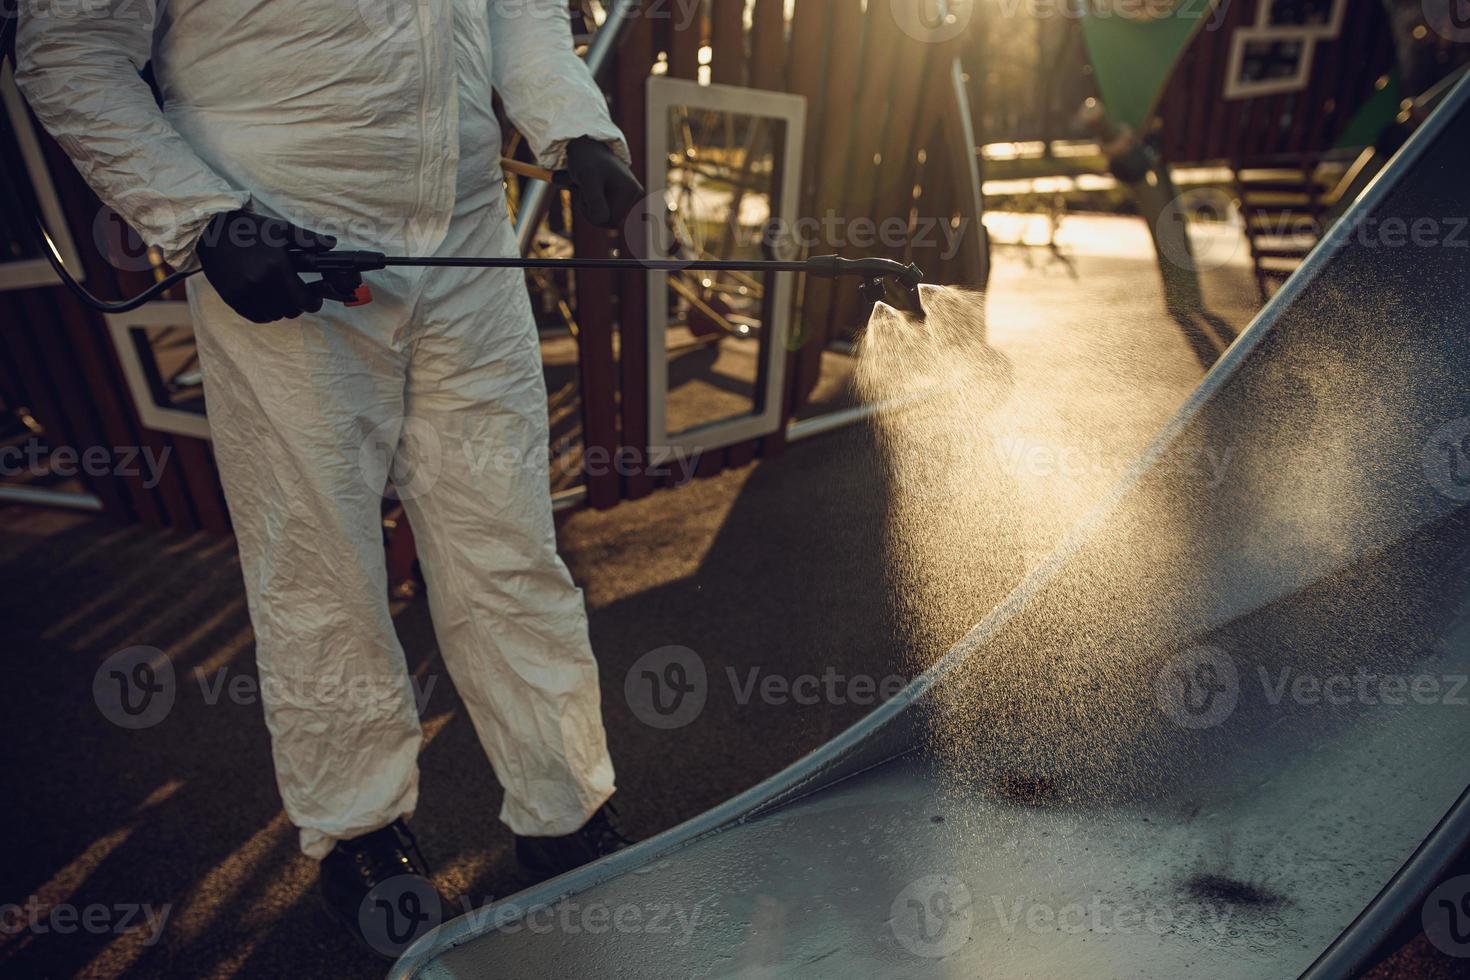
{"type": "Point", "coordinates": [546, 857]}
{"type": "Point", "coordinates": [377, 886]}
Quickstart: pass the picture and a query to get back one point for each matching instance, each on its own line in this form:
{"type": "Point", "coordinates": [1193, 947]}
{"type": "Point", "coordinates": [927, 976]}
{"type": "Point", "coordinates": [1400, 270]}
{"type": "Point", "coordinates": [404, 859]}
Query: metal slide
{"type": "Point", "coordinates": [1222, 732]}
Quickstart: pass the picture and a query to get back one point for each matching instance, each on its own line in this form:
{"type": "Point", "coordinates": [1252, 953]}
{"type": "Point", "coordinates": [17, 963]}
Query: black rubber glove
{"type": "Point", "coordinates": [245, 258]}
{"type": "Point", "coordinates": [603, 188]}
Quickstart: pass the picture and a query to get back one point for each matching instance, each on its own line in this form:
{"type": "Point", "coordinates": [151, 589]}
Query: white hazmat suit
{"type": "Point", "coordinates": [370, 120]}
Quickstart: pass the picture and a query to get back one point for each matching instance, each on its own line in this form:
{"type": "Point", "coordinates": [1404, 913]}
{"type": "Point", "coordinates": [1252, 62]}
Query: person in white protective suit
{"type": "Point", "coordinates": [371, 123]}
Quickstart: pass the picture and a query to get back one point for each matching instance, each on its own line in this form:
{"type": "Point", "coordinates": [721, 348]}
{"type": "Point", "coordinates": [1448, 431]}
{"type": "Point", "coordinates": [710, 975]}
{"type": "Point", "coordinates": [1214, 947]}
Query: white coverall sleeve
{"type": "Point", "coordinates": [547, 89]}
{"type": "Point", "coordinates": [78, 68]}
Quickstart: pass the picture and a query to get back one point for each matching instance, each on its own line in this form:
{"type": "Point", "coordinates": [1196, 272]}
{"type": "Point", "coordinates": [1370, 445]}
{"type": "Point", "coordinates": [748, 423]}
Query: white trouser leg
{"type": "Point", "coordinates": [305, 416]}
{"type": "Point", "coordinates": [510, 621]}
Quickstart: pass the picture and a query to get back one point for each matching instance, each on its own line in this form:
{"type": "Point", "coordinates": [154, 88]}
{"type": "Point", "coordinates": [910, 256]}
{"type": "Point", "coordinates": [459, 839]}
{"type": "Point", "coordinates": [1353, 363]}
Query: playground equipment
{"type": "Point", "coordinates": [1116, 739]}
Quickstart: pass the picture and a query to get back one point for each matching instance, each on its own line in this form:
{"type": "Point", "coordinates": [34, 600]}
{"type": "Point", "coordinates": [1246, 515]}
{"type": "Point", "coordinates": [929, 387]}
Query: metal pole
{"type": "Point", "coordinates": [41, 497]}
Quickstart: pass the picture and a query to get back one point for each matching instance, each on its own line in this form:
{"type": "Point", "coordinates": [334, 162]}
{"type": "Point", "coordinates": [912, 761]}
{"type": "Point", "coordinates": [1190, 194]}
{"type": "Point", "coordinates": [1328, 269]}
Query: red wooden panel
{"type": "Point", "coordinates": [727, 39]}
{"type": "Point", "coordinates": [684, 41]}
{"type": "Point", "coordinates": [634, 60]}
{"type": "Point", "coordinates": [35, 389]}
{"type": "Point", "coordinates": [597, 366]}
{"type": "Point", "coordinates": [87, 368]}
{"type": "Point", "coordinates": [843, 72]}
{"type": "Point", "coordinates": [71, 418]}
{"type": "Point", "coordinates": [1200, 125]}
{"type": "Point", "coordinates": [727, 67]}
{"type": "Point", "coordinates": [810, 36]}
{"type": "Point", "coordinates": [195, 459]}
{"type": "Point", "coordinates": [880, 56]}
{"type": "Point", "coordinates": [768, 45]}
{"type": "Point", "coordinates": [767, 71]}
{"type": "Point", "coordinates": [810, 39]}
{"type": "Point", "coordinates": [402, 553]}
{"type": "Point", "coordinates": [13, 387]}
{"type": "Point", "coordinates": [894, 193]}
{"type": "Point", "coordinates": [94, 368]}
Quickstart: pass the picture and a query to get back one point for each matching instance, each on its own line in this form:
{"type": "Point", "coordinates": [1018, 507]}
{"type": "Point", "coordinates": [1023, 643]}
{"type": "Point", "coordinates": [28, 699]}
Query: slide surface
{"type": "Point", "coordinates": [1198, 741]}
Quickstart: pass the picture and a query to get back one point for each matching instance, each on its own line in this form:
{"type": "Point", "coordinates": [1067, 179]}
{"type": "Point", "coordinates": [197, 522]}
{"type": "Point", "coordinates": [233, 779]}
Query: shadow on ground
{"type": "Point", "coordinates": [776, 570]}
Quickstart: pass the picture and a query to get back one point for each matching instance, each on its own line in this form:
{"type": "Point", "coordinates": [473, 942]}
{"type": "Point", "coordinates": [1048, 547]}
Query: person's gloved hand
{"type": "Point", "coordinates": [245, 258]}
{"type": "Point", "coordinates": [603, 187]}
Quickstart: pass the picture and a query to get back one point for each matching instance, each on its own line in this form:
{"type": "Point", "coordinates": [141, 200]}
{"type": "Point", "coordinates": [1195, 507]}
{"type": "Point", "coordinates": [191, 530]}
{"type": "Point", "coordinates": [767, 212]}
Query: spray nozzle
{"type": "Point", "coordinates": [877, 275]}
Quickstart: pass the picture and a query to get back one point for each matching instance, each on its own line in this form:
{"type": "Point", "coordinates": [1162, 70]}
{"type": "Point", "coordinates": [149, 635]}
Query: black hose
{"type": "Point", "coordinates": [872, 269]}
{"type": "Point", "coordinates": [9, 24]}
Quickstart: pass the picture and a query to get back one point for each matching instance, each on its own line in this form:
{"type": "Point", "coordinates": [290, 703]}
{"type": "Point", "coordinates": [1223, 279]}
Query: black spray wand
{"type": "Point", "coordinates": [341, 271]}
